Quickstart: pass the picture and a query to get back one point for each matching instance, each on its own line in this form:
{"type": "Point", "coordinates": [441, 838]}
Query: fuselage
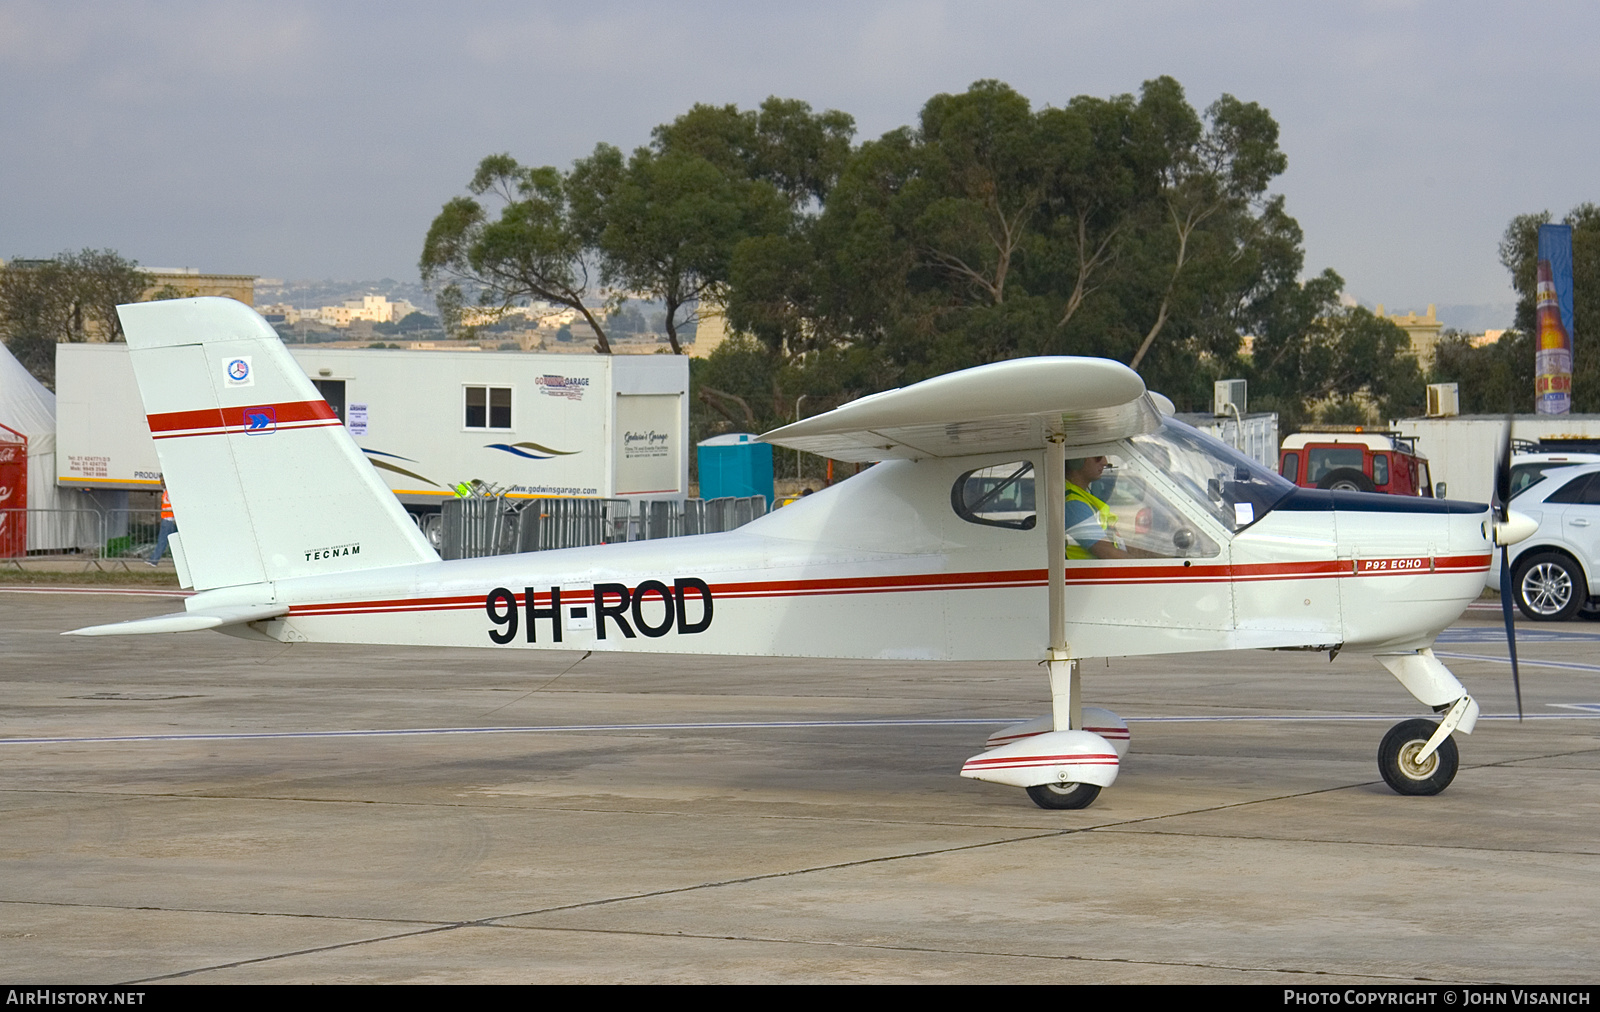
{"type": "Point", "coordinates": [883, 566]}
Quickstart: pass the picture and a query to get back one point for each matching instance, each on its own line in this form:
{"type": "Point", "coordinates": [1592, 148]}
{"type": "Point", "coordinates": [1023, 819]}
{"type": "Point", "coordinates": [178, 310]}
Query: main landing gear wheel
{"type": "Point", "coordinates": [1060, 796]}
{"type": "Point", "coordinates": [1397, 759]}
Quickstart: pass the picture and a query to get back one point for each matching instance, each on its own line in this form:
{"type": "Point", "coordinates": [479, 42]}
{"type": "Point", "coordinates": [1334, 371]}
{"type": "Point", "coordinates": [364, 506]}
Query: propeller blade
{"type": "Point", "coordinates": [1502, 474]}
{"type": "Point", "coordinates": [1511, 626]}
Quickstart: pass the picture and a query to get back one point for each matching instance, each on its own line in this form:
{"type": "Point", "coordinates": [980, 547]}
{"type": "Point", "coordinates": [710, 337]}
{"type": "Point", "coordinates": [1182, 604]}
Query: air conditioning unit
{"type": "Point", "coordinates": [1228, 392]}
{"type": "Point", "coordinates": [1444, 400]}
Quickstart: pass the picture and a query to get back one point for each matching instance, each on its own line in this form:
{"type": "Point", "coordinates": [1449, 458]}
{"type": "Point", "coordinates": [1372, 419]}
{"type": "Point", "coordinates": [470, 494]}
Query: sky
{"type": "Point", "coordinates": [303, 139]}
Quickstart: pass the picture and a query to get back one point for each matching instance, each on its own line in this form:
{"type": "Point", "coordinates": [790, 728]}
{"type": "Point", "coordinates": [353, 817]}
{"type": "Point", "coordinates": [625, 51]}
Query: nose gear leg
{"type": "Point", "coordinates": [1416, 759]}
{"type": "Point", "coordinates": [1433, 684]}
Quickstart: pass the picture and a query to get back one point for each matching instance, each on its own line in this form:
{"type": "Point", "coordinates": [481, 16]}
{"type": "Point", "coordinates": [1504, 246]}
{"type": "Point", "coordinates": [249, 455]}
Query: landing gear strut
{"type": "Point", "coordinates": [1418, 757]}
{"type": "Point", "coordinates": [1403, 771]}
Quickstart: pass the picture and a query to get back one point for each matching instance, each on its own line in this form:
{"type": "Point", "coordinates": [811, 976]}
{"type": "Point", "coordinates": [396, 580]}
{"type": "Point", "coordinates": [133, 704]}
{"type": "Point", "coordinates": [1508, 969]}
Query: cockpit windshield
{"type": "Point", "coordinates": [1232, 487]}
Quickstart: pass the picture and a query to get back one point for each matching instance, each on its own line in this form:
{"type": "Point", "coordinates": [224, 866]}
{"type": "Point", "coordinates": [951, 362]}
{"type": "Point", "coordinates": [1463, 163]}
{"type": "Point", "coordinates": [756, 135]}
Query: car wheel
{"type": "Point", "coordinates": [1346, 479]}
{"type": "Point", "coordinates": [1549, 587]}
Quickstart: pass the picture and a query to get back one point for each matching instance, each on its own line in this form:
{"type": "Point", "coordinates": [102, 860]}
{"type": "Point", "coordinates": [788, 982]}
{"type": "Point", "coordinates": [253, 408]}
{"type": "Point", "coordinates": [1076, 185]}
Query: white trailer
{"type": "Point", "coordinates": [530, 425]}
{"type": "Point", "coordinates": [1257, 439]}
{"type": "Point", "coordinates": [1462, 449]}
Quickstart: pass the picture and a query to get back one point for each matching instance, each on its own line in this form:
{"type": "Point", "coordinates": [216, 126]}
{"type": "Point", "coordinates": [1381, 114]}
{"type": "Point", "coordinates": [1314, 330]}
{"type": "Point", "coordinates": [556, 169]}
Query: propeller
{"type": "Point", "coordinates": [1501, 509]}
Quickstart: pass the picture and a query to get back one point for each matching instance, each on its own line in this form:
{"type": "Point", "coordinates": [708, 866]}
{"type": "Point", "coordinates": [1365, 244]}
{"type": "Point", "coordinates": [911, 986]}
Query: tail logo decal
{"type": "Point", "coordinates": [239, 373]}
{"type": "Point", "coordinates": [258, 419]}
{"type": "Point", "coordinates": [333, 553]}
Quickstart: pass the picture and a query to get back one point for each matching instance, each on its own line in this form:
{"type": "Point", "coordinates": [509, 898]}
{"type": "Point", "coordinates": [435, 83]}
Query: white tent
{"type": "Point", "coordinates": [59, 519]}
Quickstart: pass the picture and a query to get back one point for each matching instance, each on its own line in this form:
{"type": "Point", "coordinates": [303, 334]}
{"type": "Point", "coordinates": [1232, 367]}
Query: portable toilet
{"type": "Point", "coordinates": [735, 465]}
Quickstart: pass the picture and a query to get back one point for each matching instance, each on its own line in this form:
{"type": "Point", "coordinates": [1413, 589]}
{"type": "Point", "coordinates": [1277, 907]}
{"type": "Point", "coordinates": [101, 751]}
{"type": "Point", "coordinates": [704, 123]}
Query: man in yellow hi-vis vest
{"type": "Point", "coordinates": [1091, 526]}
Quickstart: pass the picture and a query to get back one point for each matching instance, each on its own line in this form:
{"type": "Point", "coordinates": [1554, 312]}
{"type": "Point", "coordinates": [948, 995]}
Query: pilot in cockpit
{"type": "Point", "coordinates": [1091, 526]}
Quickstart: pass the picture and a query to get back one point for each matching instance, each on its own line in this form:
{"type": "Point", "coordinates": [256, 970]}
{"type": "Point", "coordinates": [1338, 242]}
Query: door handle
{"type": "Point", "coordinates": [1578, 522]}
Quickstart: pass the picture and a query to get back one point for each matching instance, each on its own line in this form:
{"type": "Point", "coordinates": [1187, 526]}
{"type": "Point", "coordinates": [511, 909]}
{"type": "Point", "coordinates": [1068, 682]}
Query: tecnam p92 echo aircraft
{"type": "Point", "coordinates": [954, 547]}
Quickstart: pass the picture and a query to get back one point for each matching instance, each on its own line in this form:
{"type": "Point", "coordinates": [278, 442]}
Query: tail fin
{"type": "Point", "coordinates": [265, 481]}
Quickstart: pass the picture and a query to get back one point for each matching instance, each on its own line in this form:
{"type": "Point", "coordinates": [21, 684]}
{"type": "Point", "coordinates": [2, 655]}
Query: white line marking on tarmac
{"type": "Point", "coordinates": [737, 725]}
{"type": "Point", "coordinates": [1521, 661]}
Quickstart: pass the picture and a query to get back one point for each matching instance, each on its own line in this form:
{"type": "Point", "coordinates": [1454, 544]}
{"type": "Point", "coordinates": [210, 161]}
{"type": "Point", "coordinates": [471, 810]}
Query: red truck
{"type": "Point", "coordinates": [1353, 458]}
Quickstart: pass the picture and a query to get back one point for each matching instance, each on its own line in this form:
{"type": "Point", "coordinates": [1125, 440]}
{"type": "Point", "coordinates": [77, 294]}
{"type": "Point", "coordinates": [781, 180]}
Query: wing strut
{"type": "Point", "coordinates": [1066, 699]}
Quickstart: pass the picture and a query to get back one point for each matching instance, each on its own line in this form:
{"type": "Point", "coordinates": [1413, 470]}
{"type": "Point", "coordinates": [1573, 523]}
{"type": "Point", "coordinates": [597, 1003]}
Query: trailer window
{"type": "Point", "coordinates": [488, 407]}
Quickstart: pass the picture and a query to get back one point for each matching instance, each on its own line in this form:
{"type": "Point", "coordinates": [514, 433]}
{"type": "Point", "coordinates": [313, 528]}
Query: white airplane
{"type": "Point", "coordinates": [937, 553]}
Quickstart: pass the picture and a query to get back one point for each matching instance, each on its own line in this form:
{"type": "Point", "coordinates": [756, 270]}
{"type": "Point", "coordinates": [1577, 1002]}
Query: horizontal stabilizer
{"type": "Point", "coordinates": [186, 621]}
{"type": "Point", "coordinates": [995, 408]}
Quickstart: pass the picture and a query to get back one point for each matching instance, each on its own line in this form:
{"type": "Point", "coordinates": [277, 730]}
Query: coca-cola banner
{"type": "Point", "coordinates": [13, 493]}
{"type": "Point", "coordinates": [1552, 355]}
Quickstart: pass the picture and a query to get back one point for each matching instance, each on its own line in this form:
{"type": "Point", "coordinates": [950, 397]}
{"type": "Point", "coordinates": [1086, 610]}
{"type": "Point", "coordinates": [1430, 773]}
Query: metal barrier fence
{"type": "Point", "coordinates": [26, 532]}
{"type": "Point", "coordinates": [86, 533]}
{"type": "Point", "coordinates": [463, 528]}
{"type": "Point", "coordinates": [477, 527]}
{"type": "Point", "coordinates": [131, 534]}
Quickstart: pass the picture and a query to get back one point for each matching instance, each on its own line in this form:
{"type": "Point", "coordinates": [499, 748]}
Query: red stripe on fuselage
{"type": "Point", "coordinates": [1006, 579]}
{"type": "Point", "coordinates": [1079, 758]}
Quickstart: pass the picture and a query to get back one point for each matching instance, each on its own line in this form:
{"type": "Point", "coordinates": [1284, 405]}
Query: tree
{"type": "Point", "coordinates": [665, 222]}
{"type": "Point", "coordinates": [783, 143]}
{"type": "Point", "coordinates": [1221, 171]}
{"type": "Point", "coordinates": [1490, 379]}
{"type": "Point", "coordinates": [1315, 359]}
{"type": "Point", "coordinates": [1519, 253]}
{"type": "Point", "coordinates": [665, 225]}
{"type": "Point", "coordinates": [1131, 227]}
{"type": "Point", "coordinates": [535, 249]}
{"type": "Point", "coordinates": [71, 298]}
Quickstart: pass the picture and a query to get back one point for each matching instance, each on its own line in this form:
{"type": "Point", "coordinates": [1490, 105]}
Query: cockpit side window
{"type": "Point", "coordinates": [997, 496]}
{"type": "Point", "coordinates": [1123, 514]}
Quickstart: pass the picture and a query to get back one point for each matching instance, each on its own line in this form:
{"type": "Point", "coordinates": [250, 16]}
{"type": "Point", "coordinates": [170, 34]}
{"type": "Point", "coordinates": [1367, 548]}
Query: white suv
{"type": "Point", "coordinates": [1556, 572]}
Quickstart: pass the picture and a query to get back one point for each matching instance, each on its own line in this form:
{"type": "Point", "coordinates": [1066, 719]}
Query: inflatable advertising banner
{"type": "Point", "coordinates": [1552, 355]}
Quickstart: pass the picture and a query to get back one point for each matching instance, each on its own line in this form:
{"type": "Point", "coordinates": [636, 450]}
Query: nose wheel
{"type": "Point", "coordinates": [1403, 772]}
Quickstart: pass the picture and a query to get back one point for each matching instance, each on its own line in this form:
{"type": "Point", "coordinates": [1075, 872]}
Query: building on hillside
{"type": "Point", "coordinates": [1423, 330]}
{"type": "Point", "coordinates": [539, 314]}
{"type": "Point", "coordinates": [279, 312]}
{"type": "Point", "coordinates": [189, 282]}
{"type": "Point", "coordinates": [711, 332]}
{"type": "Point", "coordinates": [367, 309]}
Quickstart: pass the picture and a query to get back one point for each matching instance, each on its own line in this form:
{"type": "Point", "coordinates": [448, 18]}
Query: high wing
{"type": "Point", "coordinates": [997, 408]}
